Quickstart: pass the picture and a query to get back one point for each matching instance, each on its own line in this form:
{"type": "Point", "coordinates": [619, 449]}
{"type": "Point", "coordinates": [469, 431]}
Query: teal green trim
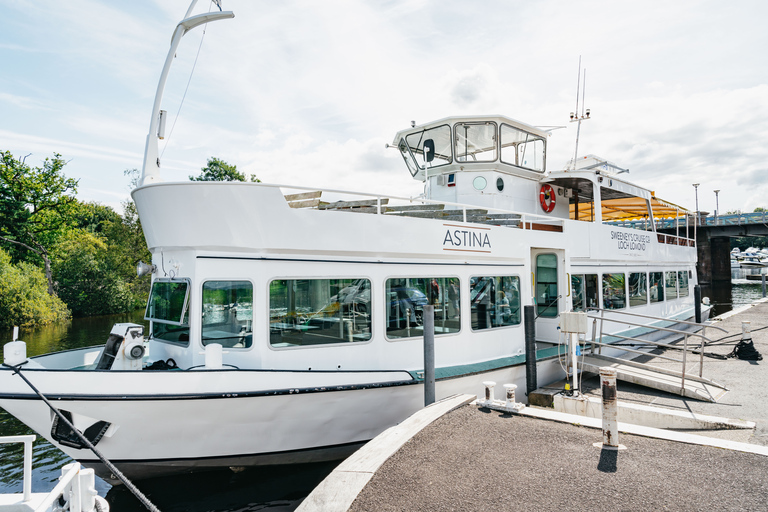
{"type": "Point", "coordinates": [449, 372]}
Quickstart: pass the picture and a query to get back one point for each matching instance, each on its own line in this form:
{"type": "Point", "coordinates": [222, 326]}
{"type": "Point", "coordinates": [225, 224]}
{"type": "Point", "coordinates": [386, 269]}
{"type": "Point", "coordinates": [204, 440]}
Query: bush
{"type": "Point", "coordinates": [24, 298]}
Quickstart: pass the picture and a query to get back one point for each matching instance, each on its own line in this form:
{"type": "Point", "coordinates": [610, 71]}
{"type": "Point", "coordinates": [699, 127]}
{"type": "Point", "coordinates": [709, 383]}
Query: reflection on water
{"type": "Point", "coordinates": [278, 488]}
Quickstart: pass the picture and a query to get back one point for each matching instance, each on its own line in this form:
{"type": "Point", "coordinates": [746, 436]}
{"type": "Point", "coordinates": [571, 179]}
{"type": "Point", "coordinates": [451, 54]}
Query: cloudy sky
{"type": "Point", "coordinates": [309, 92]}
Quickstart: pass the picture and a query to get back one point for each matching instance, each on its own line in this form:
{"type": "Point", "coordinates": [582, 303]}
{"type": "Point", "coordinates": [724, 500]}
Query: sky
{"type": "Point", "coordinates": [308, 93]}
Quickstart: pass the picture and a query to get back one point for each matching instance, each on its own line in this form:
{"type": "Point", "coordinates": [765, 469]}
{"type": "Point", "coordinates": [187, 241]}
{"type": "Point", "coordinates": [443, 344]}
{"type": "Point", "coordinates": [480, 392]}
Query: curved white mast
{"type": "Point", "coordinates": [150, 172]}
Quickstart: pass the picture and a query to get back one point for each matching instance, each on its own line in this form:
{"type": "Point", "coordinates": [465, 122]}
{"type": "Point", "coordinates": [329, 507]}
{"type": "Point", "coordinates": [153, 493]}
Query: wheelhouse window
{"type": "Point", "coordinates": [546, 285]}
{"type": "Point", "coordinates": [406, 297]}
{"type": "Point", "coordinates": [682, 280]}
{"type": "Point", "coordinates": [495, 301]}
{"type": "Point", "coordinates": [614, 291]}
{"type": "Point", "coordinates": [522, 149]}
{"type": "Point", "coordinates": [670, 279]}
{"type": "Point", "coordinates": [475, 142]}
{"type": "Point", "coordinates": [228, 313]}
{"type": "Point", "coordinates": [584, 289]}
{"type": "Point", "coordinates": [656, 280]}
{"type": "Point", "coordinates": [638, 289]}
{"type": "Point", "coordinates": [167, 309]}
{"type": "Point", "coordinates": [319, 311]}
{"type": "Point", "coordinates": [438, 142]}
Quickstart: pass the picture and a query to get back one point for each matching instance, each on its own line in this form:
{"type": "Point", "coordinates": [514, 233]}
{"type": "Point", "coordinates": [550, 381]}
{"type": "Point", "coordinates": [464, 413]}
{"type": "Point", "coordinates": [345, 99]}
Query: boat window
{"type": "Point", "coordinates": [656, 280]}
{"type": "Point", "coordinates": [614, 292]}
{"type": "Point", "coordinates": [682, 279]}
{"type": "Point", "coordinates": [671, 285]}
{"type": "Point", "coordinates": [522, 149]}
{"type": "Point", "coordinates": [410, 161]}
{"type": "Point", "coordinates": [475, 142]}
{"type": "Point", "coordinates": [228, 313]}
{"type": "Point", "coordinates": [546, 286]}
{"type": "Point", "coordinates": [413, 145]}
{"type": "Point", "coordinates": [319, 311]}
{"type": "Point", "coordinates": [406, 298]}
{"type": "Point", "coordinates": [167, 309]}
{"type": "Point", "coordinates": [638, 289]}
{"type": "Point", "coordinates": [584, 290]}
{"type": "Point", "coordinates": [495, 301]}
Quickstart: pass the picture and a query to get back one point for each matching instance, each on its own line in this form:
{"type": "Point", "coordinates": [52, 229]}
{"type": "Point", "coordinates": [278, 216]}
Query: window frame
{"type": "Point", "coordinates": [253, 310]}
{"type": "Point", "coordinates": [519, 298]}
{"type": "Point", "coordinates": [603, 287]}
{"type": "Point", "coordinates": [268, 325]}
{"type": "Point", "coordinates": [470, 159]}
{"type": "Point", "coordinates": [386, 303]}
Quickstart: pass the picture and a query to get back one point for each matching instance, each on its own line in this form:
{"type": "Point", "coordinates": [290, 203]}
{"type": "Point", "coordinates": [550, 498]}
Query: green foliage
{"type": "Point", "coordinates": [87, 276]}
{"type": "Point", "coordinates": [24, 299]}
{"type": "Point", "coordinates": [219, 170]}
{"type": "Point", "coordinates": [36, 205]}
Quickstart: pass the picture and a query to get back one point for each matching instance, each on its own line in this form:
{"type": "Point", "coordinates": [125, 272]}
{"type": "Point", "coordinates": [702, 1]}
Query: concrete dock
{"type": "Point", "coordinates": [455, 455]}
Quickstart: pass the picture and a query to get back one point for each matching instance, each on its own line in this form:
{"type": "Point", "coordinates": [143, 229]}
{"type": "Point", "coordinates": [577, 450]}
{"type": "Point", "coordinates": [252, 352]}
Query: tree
{"type": "Point", "coordinates": [219, 170]}
{"type": "Point", "coordinates": [35, 207]}
{"type": "Point", "coordinates": [88, 276]}
{"type": "Point", "coordinates": [24, 300]}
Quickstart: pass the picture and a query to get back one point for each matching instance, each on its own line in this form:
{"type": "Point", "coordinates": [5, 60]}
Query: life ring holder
{"type": "Point", "coordinates": [547, 198]}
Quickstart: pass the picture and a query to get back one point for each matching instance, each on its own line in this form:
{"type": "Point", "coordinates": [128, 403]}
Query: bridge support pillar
{"type": "Point", "coordinates": [714, 266]}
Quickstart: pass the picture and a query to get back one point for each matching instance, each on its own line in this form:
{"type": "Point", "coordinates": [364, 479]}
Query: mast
{"type": "Point", "coordinates": [150, 171]}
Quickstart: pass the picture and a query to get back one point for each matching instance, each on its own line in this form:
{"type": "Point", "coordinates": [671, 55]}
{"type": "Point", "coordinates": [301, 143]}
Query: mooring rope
{"type": "Point", "coordinates": [116, 472]}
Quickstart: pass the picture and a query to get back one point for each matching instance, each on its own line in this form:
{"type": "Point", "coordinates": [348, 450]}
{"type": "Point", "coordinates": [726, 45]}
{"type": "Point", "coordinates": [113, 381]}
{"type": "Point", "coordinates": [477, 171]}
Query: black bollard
{"type": "Point", "coordinates": [531, 381]}
{"type": "Point", "coordinates": [429, 354]}
{"type": "Point", "coordinates": [697, 303]}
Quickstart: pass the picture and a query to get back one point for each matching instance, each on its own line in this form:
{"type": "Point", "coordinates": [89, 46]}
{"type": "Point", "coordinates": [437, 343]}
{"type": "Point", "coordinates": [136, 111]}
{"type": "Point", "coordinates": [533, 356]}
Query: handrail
{"type": "Point", "coordinates": [685, 334]}
{"type": "Point", "coordinates": [463, 206]}
{"type": "Point", "coordinates": [27, 473]}
{"type": "Point", "coordinates": [687, 322]}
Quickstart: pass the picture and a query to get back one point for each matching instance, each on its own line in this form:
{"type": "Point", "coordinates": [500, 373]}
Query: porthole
{"type": "Point", "coordinates": [479, 183]}
{"type": "Point", "coordinates": [500, 184]}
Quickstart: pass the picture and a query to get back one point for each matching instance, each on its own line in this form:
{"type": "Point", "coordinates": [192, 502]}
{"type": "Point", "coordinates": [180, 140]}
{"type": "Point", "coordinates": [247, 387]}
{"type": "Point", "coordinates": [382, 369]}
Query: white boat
{"type": "Point", "coordinates": [287, 323]}
{"type": "Point", "coordinates": [752, 260]}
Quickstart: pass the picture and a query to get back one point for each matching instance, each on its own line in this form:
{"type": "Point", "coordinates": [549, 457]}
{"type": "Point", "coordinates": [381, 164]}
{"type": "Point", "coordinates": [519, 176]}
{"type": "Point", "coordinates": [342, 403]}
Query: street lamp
{"type": "Point", "coordinates": [717, 206]}
{"type": "Point", "coordinates": [696, 188]}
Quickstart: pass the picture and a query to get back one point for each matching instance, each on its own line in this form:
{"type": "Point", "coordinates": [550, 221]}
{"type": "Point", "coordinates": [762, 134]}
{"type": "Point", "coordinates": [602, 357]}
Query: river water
{"type": "Point", "coordinates": [277, 488]}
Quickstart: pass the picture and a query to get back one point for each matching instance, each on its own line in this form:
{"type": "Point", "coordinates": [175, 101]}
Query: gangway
{"type": "Point", "coordinates": [682, 383]}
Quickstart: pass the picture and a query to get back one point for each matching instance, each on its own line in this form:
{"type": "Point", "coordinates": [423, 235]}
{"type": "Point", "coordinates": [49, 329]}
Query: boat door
{"type": "Point", "coordinates": [550, 291]}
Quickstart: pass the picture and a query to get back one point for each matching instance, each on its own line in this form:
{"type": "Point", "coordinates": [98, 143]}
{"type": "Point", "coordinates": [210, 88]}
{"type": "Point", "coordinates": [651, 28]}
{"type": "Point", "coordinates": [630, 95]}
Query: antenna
{"type": "Point", "coordinates": [575, 117]}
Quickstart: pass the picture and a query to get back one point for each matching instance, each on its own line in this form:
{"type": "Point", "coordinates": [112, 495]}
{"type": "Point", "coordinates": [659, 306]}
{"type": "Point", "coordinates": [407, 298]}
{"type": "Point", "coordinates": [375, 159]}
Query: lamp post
{"type": "Point", "coordinates": [698, 218]}
{"type": "Point", "coordinates": [717, 206]}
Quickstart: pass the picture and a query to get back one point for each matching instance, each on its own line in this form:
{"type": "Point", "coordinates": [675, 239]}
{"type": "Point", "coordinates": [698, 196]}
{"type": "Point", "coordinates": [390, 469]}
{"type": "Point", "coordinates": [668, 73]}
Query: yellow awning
{"type": "Point", "coordinates": [628, 208]}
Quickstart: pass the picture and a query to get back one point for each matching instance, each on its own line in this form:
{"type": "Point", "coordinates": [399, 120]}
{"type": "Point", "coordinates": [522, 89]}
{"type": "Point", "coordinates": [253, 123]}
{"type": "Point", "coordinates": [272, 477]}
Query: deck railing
{"type": "Point", "coordinates": [418, 207]}
{"type": "Point", "coordinates": [597, 341]}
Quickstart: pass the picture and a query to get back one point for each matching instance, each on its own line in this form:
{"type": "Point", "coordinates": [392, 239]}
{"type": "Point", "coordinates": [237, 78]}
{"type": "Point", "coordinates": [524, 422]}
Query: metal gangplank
{"type": "Point", "coordinates": [679, 382]}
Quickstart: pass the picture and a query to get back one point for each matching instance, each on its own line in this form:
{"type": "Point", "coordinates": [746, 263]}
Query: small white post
{"type": "Point", "coordinates": [489, 385]}
{"type": "Point", "coordinates": [510, 392]}
{"type": "Point", "coordinates": [610, 408]}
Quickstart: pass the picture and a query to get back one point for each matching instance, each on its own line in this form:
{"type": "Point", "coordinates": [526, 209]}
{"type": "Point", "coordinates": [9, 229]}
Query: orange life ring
{"type": "Point", "coordinates": [547, 198]}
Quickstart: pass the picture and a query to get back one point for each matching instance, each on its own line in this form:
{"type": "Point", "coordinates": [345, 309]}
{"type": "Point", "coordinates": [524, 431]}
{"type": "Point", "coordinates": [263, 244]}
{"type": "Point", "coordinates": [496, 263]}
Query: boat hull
{"type": "Point", "coordinates": [152, 435]}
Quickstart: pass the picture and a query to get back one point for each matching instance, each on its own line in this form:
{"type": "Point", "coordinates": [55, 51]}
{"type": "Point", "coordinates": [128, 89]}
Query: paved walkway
{"type": "Point", "coordinates": [477, 459]}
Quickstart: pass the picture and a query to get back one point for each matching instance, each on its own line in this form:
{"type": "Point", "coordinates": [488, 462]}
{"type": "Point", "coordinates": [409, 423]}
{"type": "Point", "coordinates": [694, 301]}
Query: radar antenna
{"type": "Point", "coordinates": [575, 117]}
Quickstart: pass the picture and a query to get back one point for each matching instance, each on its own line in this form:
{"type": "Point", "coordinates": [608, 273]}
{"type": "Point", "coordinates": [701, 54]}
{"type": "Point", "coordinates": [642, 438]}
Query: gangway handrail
{"type": "Point", "coordinates": [685, 335]}
{"type": "Point", "coordinates": [687, 322]}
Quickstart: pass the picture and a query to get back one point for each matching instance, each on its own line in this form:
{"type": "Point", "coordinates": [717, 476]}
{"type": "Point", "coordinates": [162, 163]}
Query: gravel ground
{"type": "Point", "coordinates": [476, 459]}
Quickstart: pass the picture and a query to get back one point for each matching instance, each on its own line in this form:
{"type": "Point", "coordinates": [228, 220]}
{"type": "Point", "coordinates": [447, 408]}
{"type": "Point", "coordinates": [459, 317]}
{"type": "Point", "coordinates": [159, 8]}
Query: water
{"type": "Point", "coordinates": [277, 488]}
